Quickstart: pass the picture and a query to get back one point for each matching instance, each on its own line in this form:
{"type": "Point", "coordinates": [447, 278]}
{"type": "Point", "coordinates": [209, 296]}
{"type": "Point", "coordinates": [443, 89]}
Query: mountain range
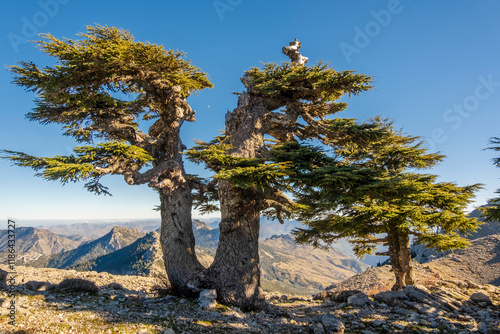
{"type": "Point", "coordinates": [44, 242]}
{"type": "Point", "coordinates": [115, 239]}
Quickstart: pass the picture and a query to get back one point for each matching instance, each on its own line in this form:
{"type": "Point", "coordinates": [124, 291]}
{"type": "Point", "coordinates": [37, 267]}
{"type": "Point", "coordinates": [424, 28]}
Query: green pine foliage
{"type": "Point", "coordinates": [243, 173]}
{"type": "Point", "coordinates": [81, 91]}
{"type": "Point", "coordinates": [381, 189]}
{"type": "Point", "coordinates": [491, 212]}
{"type": "Point", "coordinates": [317, 83]}
{"type": "Point", "coordinates": [309, 96]}
{"type": "Point", "coordinates": [87, 163]}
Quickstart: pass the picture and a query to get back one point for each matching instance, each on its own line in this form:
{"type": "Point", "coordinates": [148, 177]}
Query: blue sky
{"type": "Point", "coordinates": [435, 64]}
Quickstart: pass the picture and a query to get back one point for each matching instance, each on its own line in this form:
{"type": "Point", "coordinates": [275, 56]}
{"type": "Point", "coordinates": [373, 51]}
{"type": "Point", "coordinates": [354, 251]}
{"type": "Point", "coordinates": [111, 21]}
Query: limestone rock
{"type": "Point", "coordinates": [331, 324]}
{"type": "Point", "coordinates": [343, 296]}
{"type": "Point", "coordinates": [359, 300]}
{"type": "Point", "coordinates": [390, 297]}
{"type": "Point", "coordinates": [207, 299]}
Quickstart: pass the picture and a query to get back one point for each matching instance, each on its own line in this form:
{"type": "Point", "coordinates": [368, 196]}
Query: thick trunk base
{"type": "Point", "coordinates": [235, 272]}
{"type": "Point", "coordinates": [399, 253]}
{"type": "Point", "coordinates": [177, 240]}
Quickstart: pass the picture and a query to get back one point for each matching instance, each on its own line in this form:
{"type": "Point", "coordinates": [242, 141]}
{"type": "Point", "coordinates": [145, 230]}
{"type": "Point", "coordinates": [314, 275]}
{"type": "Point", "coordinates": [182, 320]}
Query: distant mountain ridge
{"type": "Point", "coordinates": [44, 242]}
{"type": "Point", "coordinates": [143, 257]}
{"type": "Point", "coordinates": [117, 238]}
{"type": "Point", "coordinates": [97, 230]}
{"type": "Point", "coordinates": [286, 266]}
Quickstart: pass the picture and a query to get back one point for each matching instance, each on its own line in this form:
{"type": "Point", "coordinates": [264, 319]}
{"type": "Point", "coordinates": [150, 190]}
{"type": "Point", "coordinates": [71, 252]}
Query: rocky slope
{"type": "Point", "coordinates": [117, 238]}
{"type": "Point", "coordinates": [424, 255]}
{"type": "Point", "coordinates": [90, 302]}
{"type": "Point", "coordinates": [486, 229]}
{"type": "Point", "coordinates": [301, 269]}
{"type": "Point", "coordinates": [480, 262]}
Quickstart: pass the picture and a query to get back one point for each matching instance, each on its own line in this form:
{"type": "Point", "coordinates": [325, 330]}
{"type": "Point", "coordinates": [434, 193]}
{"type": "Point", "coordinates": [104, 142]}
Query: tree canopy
{"type": "Point", "coordinates": [380, 197]}
{"type": "Point", "coordinates": [100, 88]}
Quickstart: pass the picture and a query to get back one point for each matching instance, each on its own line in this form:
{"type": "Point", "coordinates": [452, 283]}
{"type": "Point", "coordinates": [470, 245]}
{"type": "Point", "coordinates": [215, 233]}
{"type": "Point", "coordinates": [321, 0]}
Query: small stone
{"type": "Point", "coordinates": [168, 331]}
{"type": "Point", "coordinates": [283, 298]}
{"type": "Point", "coordinates": [207, 299]}
{"type": "Point", "coordinates": [342, 296]}
{"type": "Point", "coordinates": [50, 299]}
{"type": "Point", "coordinates": [482, 326]}
{"type": "Point", "coordinates": [483, 314]}
{"type": "Point", "coordinates": [472, 285]}
{"type": "Point", "coordinates": [115, 286]}
{"type": "Point", "coordinates": [317, 328]}
{"type": "Point", "coordinates": [331, 324]}
{"type": "Point", "coordinates": [364, 313]}
{"type": "Point", "coordinates": [169, 298]}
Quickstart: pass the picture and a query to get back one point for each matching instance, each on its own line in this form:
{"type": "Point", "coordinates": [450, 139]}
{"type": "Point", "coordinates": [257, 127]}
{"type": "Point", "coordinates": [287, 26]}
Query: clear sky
{"type": "Point", "coordinates": [435, 63]}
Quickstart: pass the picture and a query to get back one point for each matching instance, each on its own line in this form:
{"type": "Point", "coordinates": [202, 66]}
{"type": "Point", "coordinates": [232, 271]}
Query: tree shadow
{"type": "Point", "coordinates": [127, 306]}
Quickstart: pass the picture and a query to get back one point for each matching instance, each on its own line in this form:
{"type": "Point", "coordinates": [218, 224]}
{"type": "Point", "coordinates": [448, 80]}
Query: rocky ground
{"type": "Point", "coordinates": [61, 301]}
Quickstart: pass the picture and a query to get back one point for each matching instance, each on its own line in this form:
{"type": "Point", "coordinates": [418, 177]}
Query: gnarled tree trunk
{"type": "Point", "coordinates": [177, 238]}
{"type": "Point", "coordinates": [399, 253]}
{"type": "Point", "coordinates": [235, 270]}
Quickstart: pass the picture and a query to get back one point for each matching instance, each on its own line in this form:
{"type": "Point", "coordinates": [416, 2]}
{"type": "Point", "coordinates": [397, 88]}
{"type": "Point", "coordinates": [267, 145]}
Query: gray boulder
{"type": "Point", "coordinates": [207, 299]}
{"type": "Point", "coordinates": [390, 297]}
{"type": "Point", "coordinates": [359, 300]}
{"type": "Point", "coordinates": [331, 324]}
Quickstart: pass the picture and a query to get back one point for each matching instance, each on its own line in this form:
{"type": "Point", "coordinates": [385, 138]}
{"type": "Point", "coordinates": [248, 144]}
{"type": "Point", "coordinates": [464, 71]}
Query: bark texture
{"type": "Point", "coordinates": [235, 270]}
{"type": "Point", "coordinates": [177, 238]}
{"type": "Point", "coordinates": [399, 253]}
